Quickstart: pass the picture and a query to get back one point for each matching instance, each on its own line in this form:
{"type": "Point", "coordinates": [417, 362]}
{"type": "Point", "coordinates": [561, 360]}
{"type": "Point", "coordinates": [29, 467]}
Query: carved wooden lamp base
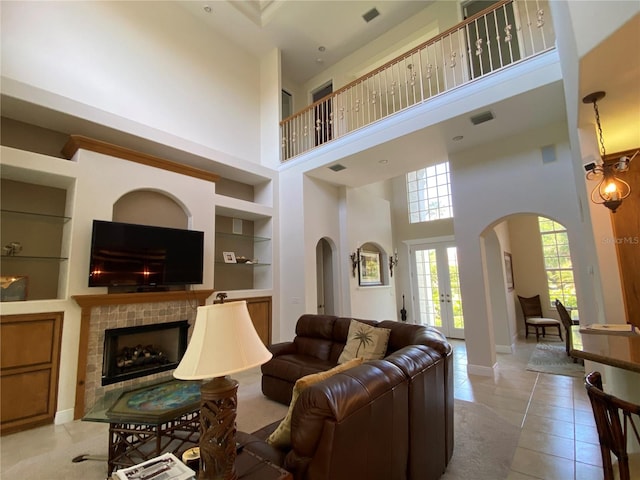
{"type": "Point", "coordinates": [218, 429]}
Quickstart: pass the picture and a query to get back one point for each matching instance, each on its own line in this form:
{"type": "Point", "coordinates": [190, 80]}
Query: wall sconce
{"type": "Point", "coordinates": [393, 262]}
{"type": "Point", "coordinates": [611, 190]}
{"type": "Point", "coordinates": [355, 259]}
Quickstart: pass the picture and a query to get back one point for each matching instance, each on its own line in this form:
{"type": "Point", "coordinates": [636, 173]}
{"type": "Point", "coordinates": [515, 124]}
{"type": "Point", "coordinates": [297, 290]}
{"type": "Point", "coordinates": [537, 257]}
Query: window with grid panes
{"type": "Point", "coordinates": [557, 264]}
{"type": "Point", "coordinates": [429, 193]}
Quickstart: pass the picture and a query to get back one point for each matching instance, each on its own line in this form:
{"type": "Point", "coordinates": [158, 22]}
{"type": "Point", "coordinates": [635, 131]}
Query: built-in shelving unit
{"type": "Point", "coordinates": [32, 223]}
{"type": "Point", "coordinates": [243, 228]}
{"type": "Point", "coordinates": [252, 254]}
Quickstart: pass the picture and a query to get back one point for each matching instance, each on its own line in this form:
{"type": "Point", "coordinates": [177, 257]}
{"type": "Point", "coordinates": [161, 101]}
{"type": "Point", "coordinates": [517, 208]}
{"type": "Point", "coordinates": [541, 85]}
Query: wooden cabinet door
{"type": "Point", "coordinates": [29, 366]}
{"type": "Point", "coordinates": [626, 227]}
{"type": "Point", "coordinates": [260, 312]}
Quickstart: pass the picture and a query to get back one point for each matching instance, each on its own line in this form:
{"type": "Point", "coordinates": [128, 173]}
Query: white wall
{"type": "Point", "coordinates": [501, 299]}
{"type": "Point", "coordinates": [310, 210]}
{"type": "Point", "coordinates": [489, 185]}
{"type": "Point", "coordinates": [421, 27]}
{"type": "Point", "coordinates": [293, 263]}
{"type": "Point", "coordinates": [321, 220]}
{"type": "Point", "coordinates": [270, 109]}
{"type": "Point", "coordinates": [369, 221]}
{"type": "Point", "coordinates": [127, 59]}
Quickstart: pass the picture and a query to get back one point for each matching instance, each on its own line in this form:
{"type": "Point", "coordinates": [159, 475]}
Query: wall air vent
{"type": "Point", "coordinates": [482, 117]}
{"type": "Point", "coordinates": [337, 167]}
{"type": "Point", "coordinates": [371, 14]}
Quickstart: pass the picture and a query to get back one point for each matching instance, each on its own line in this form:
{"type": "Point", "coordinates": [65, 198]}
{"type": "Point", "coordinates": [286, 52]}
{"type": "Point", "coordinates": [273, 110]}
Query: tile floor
{"type": "Point", "coordinates": [558, 439]}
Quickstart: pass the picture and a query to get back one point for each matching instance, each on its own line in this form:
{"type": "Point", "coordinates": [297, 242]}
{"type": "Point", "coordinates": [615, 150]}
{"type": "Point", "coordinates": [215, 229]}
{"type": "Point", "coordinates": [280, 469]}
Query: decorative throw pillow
{"type": "Point", "coordinates": [365, 341]}
{"type": "Point", "coordinates": [281, 436]}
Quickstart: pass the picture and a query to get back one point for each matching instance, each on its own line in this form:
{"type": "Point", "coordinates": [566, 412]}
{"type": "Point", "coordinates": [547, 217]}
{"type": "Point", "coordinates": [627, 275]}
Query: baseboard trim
{"type": "Point", "coordinates": [63, 416]}
{"type": "Point", "coordinates": [481, 370]}
{"type": "Point", "coordinates": [504, 348]}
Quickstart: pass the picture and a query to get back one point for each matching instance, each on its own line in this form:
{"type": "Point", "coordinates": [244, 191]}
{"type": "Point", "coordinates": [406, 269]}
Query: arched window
{"type": "Point", "coordinates": [557, 263]}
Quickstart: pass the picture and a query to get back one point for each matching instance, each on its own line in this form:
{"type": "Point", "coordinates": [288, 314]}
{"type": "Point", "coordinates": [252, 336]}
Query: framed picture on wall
{"type": "Point", "coordinates": [508, 269]}
{"type": "Point", "coordinates": [369, 268]}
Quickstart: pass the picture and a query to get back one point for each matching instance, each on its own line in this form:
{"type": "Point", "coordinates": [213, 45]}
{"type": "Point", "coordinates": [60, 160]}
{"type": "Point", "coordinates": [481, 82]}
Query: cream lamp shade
{"type": "Point", "coordinates": [224, 341]}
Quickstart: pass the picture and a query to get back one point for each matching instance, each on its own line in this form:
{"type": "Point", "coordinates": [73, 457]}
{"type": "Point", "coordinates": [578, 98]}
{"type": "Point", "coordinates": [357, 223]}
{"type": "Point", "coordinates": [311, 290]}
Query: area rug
{"type": "Point", "coordinates": [547, 358]}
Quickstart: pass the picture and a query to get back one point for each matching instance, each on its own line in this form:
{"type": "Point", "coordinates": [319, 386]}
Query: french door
{"type": "Point", "coordinates": [436, 287]}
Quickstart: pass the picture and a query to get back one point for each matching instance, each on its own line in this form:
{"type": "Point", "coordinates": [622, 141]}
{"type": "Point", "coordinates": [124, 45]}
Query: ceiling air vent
{"type": "Point", "coordinates": [337, 167]}
{"type": "Point", "coordinates": [482, 117]}
{"type": "Point", "coordinates": [371, 14]}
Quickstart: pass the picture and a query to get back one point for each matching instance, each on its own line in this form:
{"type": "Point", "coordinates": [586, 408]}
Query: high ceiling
{"type": "Point", "coordinates": [301, 28]}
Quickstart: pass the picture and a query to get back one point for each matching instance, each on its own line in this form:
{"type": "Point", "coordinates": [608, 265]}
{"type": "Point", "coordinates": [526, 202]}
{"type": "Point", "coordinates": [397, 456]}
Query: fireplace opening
{"type": "Point", "coordinates": [133, 352]}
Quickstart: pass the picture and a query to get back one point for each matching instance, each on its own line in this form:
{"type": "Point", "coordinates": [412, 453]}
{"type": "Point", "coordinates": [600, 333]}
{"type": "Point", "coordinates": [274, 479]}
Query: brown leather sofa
{"type": "Point", "coordinates": [383, 420]}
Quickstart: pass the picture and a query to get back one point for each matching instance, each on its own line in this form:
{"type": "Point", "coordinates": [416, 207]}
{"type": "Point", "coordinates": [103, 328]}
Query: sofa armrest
{"type": "Point", "coordinates": [367, 402]}
{"type": "Point", "coordinates": [283, 348]}
{"type": "Point", "coordinates": [256, 442]}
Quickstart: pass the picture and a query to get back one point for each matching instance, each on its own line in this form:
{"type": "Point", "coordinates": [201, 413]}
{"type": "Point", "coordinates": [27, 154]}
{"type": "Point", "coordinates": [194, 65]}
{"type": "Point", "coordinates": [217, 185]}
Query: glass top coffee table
{"type": "Point", "coordinates": [149, 420]}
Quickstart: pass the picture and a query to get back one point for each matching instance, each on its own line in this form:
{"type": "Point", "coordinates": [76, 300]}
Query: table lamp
{"type": "Point", "coordinates": [223, 342]}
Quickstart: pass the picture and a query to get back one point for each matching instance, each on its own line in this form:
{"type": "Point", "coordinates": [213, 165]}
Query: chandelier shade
{"type": "Point", "coordinates": [611, 190]}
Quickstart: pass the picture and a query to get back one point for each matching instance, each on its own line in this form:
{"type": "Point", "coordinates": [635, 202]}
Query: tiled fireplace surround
{"type": "Point", "coordinates": [102, 312]}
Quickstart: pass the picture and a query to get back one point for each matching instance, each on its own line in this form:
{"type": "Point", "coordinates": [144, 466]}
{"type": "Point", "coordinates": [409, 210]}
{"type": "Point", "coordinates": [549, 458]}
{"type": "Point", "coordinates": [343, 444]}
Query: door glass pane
{"type": "Point", "coordinates": [428, 291]}
{"type": "Point", "coordinates": [454, 279]}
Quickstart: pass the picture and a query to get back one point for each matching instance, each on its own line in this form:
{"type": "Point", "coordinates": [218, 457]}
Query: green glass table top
{"type": "Point", "coordinates": [153, 403]}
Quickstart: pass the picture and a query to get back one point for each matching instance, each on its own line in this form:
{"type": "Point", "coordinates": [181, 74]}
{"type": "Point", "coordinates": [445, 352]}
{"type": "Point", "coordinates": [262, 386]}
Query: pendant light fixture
{"type": "Point", "coordinates": [611, 190]}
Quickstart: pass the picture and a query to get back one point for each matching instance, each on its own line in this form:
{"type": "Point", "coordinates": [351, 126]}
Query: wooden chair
{"type": "Point", "coordinates": [532, 311]}
{"type": "Point", "coordinates": [613, 417]}
{"type": "Point", "coordinates": [565, 318]}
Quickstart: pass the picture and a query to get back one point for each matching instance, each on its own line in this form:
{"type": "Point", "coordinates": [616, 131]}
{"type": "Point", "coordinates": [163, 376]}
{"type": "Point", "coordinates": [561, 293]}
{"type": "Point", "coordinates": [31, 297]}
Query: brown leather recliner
{"type": "Point", "coordinates": [386, 419]}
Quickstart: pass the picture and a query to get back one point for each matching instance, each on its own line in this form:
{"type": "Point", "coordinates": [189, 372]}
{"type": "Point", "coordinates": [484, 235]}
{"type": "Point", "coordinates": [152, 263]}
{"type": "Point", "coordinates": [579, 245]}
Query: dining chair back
{"type": "Point", "coordinates": [615, 419]}
{"type": "Point", "coordinates": [532, 312]}
{"type": "Point", "coordinates": [565, 318]}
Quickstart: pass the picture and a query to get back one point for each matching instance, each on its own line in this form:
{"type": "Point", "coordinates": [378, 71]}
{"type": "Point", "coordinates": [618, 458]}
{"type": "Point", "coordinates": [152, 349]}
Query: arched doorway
{"type": "Point", "coordinates": [526, 254]}
{"type": "Point", "coordinates": [325, 282]}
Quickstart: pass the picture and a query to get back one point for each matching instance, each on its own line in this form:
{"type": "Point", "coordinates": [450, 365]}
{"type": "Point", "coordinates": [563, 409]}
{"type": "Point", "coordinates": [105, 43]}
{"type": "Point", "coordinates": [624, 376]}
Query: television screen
{"type": "Point", "coordinates": [125, 254]}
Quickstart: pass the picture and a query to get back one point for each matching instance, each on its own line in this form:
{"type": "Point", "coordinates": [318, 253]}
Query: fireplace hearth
{"type": "Point", "coordinates": [138, 351]}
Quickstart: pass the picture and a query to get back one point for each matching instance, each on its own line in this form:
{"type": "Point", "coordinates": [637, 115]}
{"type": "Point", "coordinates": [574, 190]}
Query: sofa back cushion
{"type": "Point", "coordinates": [405, 334]}
{"type": "Point", "coordinates": [314, 335]}
{"type": "Point", "coordinates": [352, 425]}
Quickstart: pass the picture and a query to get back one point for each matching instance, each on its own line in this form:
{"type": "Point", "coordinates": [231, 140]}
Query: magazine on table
{"type": "Point", "coordinates": [164, 467]}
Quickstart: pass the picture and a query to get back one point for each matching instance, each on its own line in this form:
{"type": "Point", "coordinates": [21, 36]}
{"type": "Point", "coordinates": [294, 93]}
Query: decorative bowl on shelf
{"type": "Point", "coordinates": [246, 260]}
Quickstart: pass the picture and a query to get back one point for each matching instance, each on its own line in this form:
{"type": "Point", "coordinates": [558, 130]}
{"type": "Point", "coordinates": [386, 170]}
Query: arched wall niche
{"type": "Point", "coordinates": [384, 259]}
{"type": "Point", "coordinates": [151, 207]}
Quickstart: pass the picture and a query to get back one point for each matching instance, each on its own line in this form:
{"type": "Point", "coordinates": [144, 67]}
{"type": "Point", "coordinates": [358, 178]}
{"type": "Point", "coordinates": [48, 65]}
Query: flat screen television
{"type": "Point", "coordinates": [130, 255]}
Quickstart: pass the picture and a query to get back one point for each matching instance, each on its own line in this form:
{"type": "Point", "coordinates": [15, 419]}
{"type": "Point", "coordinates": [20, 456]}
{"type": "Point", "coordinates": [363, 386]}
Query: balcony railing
{"type": "Point", "coordinates": [507, 33]}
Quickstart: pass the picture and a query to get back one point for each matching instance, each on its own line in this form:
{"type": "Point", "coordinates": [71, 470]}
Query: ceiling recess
{"type": "Point", "coordinates": [371, 14]}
